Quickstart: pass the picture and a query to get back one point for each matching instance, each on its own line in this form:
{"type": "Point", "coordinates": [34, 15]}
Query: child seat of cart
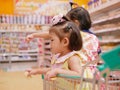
{"type": "Point", "coordinates": [111, 60]}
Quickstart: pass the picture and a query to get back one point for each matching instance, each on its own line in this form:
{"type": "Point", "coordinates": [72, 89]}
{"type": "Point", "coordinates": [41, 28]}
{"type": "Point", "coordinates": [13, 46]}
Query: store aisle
{"type": "Point", "coordinates": [17, 81]}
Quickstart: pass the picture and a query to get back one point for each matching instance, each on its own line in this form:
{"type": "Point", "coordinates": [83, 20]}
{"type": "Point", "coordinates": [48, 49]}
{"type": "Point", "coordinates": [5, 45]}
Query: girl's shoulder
{"type": "Point", "coordinates": [89, 39]}
{"type": "Point", "coordinates": [75, 56]}
{"type": "Point", "coordinates": [88, 35]}
{"type": "Point", "coordinates": [67, 56]}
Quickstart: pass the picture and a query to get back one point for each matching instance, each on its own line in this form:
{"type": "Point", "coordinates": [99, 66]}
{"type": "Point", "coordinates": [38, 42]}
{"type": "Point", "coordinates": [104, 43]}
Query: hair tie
{"type": "Point", "coordinates": [68, 27]}
{"type": "Point", "coordinates": [58, 18]}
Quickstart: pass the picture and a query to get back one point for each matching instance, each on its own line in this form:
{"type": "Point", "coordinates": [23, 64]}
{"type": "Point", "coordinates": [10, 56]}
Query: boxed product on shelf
{"type": "Point", "coordinates": [25, 19]}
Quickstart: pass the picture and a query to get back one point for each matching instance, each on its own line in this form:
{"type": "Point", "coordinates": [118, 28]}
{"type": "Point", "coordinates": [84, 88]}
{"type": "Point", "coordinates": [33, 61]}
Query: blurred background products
{"type": "Point", "coordinates": [18, 18]}
{"type": "Point", "coordinates": [21, 17]}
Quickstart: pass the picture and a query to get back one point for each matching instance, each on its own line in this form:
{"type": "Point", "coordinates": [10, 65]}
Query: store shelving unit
{"type": "Point", "coordinates": [14, 49]}
{"type": "Point", "coordinates": [109, 5]}
{"type": "Point", "coordinates": [107, 20]}
{"type": "Point", "coordinates": [108, 31]}
{"type": "Point", "coordinates": [47, 53]}
{"type": "Point", "coordinates": [106, 23]}
{"type": "Point", "coordinates": [19, 56]}
{"type": "Point", "coordinates": [13, 31]}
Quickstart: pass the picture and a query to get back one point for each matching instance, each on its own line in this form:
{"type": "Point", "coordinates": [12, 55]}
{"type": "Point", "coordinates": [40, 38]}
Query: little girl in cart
{"type": "Point", "coordinates": [66, 41]}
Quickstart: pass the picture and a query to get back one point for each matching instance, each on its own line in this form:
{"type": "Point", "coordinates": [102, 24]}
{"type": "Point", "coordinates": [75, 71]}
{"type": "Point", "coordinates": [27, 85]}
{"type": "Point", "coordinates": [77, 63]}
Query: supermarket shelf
{"type": "Point", "coordinates": [102, 21]}
{"type": "Point", "coordinates": [18, 54]}
{"type": "Point", "coordinates": [110, 5]}
{"type": "Point", "coordinates": [22, 51]}
{"type": "Point", "coordinates": [18, 31]}
{"type": "Point", "coordinates": [23, 31]}
{"type": "Point", "coordinates": [23, 60]}
{"type": "Point", "coordinates": [110, 31]}
{"type": "Point", "coordinates": [20, 59]}
{"type": "Point", "coordinates": [116, 41]}
{"type": "Point", "coordinates": [106, 18]}
{"type": "Point", "coordinates": [25, 24]}
{"type": "Point", "coordinates": [4, 61]}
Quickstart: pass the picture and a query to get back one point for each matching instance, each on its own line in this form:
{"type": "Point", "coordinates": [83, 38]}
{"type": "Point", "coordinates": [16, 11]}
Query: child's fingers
{"type": "Point", "coordinates": [28, 70]}
{"type": "Point", "coordinates": [47, 77]}
{"type": "Point", "coordinates": [27, 74]}
{"type": "Point", "coordinates": [50, 79]}
{"type": "Point", "coordinates": [27, 40]}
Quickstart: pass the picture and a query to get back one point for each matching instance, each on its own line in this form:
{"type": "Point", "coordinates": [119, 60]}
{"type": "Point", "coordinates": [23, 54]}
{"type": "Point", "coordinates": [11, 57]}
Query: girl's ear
{"type": "Point", "coordinates": [65, 41]}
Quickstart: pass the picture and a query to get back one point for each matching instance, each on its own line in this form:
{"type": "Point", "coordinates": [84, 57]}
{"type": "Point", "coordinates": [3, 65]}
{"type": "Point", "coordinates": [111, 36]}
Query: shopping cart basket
{"type": "Point", "coordinates": [108, 76]}
{"type": "Point", "coordinates": [67, 82]}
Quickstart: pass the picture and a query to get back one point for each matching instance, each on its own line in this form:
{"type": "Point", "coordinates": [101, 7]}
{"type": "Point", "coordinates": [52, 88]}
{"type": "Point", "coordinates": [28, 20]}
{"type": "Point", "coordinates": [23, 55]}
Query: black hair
{"type": "Point", "coordinates": [71, 31]}
{"type": "Point", "coordinates": [73, 4]}
{"type": "Point", "coordinates": [82, 15]}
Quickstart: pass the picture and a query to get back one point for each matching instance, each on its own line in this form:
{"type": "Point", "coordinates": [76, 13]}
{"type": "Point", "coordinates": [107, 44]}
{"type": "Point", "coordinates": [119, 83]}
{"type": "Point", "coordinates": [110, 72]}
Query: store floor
{"type": "Point", "coordinates": [17, 81]}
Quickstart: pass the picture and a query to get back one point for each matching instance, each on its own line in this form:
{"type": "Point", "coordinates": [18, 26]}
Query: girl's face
{"type": "Point", "coordinates": [55, 43]}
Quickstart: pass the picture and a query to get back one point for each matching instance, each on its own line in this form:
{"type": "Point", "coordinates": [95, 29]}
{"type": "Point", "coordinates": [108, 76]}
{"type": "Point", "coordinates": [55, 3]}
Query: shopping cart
{"type": "Point", "coordinates": [67, 82]}
{"type": "Point", "coordinates": [109, 76]}
{"type": "Point", "coordinates": [110, 70]}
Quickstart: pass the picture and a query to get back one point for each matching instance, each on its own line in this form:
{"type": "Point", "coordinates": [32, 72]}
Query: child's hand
{"type": "Point", "coordinates": [27, 74]}
{"type": "Point", "coordinates": [51, 74]}
{"type": "Point", "coordinates": [30, 72]}
{"type": "Point", "coordinates": [29, 38]}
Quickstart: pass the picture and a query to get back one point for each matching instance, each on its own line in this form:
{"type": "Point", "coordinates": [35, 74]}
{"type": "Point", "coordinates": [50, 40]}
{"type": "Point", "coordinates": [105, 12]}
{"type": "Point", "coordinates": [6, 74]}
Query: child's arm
{"type": "Point", "coordinates": [74, 66]}
{"type": "Point", "coordinates": [38, 35]}
{"type": "Point", "coordinates": [37, 71]}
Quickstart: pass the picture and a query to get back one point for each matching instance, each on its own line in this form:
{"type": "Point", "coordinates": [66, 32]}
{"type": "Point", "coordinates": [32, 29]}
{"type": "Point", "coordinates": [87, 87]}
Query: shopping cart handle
{"type": "Point", "coordinates": [67, 76]}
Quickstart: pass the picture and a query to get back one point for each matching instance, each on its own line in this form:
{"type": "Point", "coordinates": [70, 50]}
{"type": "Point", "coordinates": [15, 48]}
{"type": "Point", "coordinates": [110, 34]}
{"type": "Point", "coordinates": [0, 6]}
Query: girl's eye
{"type": "Point", "coordinates": [52, 40]}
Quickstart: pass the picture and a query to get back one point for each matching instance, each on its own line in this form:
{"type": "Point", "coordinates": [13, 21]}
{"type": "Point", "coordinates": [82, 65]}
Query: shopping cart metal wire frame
{"type": "Point", "coordinates": [105, 69]}
{"type": "Point", "coordinates": [54, 85]}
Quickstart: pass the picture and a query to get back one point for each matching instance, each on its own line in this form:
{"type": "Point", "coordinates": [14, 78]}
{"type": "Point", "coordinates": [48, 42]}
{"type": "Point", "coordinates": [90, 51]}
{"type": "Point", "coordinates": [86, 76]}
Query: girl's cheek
{"type": "Point", "coordinates": [51, 44]}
